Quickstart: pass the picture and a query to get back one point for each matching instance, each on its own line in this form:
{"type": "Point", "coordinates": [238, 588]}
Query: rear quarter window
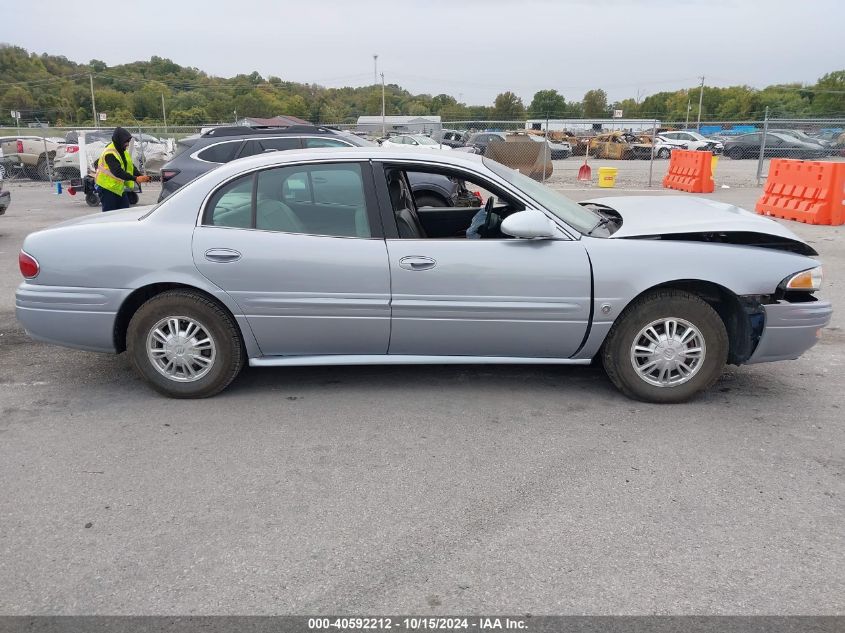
{"type": "Point", "coordinates": [219, 153]}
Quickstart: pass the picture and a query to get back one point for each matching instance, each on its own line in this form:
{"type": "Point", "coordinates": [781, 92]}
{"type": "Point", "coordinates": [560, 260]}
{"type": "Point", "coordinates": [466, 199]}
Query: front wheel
{"type": "Point", "coordinates": [663, 153]}
{"type": "Point", "coordinates": [666, 347]}
{"type": "Point", "coordinates": [185, 345]}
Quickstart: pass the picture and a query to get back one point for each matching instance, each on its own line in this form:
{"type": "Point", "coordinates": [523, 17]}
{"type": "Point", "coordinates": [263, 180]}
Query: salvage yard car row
{"type": "Point", "coordinates": [43, 158]}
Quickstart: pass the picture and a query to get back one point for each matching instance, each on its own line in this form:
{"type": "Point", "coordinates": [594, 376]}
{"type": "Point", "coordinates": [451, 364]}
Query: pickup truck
{"type": "Point", "coordinates": [31, 152]}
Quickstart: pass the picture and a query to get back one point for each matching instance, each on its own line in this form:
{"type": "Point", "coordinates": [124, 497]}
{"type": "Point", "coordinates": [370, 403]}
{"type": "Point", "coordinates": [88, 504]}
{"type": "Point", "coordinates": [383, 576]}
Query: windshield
{"type": "Point", "coordinates": [570, 212]}
{"type": "Point", "coordinates": [424, 140]}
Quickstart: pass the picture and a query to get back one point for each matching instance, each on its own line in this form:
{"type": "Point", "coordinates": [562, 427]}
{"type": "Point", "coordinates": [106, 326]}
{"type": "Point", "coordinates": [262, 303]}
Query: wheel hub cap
{"type": "Point", "coordinates": [181, 349]}
{"type": "Point", "coordinates": [668, 352]}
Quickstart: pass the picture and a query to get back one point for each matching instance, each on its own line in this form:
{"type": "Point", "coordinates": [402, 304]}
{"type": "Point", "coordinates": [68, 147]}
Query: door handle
{"type": "Point", "coordinates": [417, 262]}
{"type": "Point", "coordinates": [222, 255]}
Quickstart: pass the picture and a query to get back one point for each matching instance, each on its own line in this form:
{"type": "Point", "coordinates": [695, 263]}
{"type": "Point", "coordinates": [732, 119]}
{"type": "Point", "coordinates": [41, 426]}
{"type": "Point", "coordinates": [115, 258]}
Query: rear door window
{"type": "Point", "coordinates": [317, 199]}
{"type": "Point", "coordinates": [220, 153]}
{"type": "Point", "coordinates": [231, 205]}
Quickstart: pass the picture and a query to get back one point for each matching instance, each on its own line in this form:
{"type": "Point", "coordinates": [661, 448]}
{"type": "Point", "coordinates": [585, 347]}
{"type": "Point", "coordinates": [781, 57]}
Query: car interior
{"type": "Point", "coordinates": [415, 222]}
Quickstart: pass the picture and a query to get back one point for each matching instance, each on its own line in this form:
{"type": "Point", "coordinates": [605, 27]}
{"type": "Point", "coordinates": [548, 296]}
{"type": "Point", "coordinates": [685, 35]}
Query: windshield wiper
{"type": "Point", "coordinates": [603, 221]}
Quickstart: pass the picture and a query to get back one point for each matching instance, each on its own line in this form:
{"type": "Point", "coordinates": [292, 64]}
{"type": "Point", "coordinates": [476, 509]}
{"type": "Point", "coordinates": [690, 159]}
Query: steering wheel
{"type": "Point", "coordinates": [488, 219]}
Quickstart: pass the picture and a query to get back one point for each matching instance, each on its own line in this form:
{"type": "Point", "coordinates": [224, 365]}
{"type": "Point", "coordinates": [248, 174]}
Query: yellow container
{"type": "Point", "coordinates": [713, 162]}
{"type": "Point", "coordinates": [607, 177]}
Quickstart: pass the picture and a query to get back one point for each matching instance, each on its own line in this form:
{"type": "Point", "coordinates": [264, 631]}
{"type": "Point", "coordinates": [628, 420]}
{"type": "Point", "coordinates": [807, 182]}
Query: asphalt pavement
{"type": "Point", "coordinates": [428, 490]}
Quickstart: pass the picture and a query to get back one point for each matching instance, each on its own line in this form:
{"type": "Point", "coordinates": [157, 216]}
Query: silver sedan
{"type": "Point", "coordinates": [322, 257]}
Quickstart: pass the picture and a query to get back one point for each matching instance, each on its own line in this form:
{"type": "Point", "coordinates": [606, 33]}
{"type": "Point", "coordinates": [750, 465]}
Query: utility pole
{"type": "Point", "coordinates": [164, 113]}
{"type": "Point", "coordinates": [375, 69]}
{"type": "Point", "coordinates": [93, 103]}
{"type": "Point", "coordinates": [700, 99]}
{"type": "Point", "coordinates": [383, 126]}
{"type": "Point", "coordinates": [689, 107]}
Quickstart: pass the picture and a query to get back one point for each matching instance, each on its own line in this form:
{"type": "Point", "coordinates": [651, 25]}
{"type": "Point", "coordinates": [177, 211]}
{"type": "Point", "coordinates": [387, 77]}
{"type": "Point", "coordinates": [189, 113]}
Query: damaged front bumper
{"type": "Point", "coordinates": [790, 329]}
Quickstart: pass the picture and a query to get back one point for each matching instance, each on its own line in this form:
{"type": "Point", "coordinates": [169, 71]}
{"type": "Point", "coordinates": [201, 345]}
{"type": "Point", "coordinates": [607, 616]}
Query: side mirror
{"type": "Point", "coordinates": [528, 224]}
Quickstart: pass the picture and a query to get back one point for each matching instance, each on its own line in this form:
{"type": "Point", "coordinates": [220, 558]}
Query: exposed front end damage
{"type": "Point", "coordinates": [790, 329]}
{"type": "Point", "coordinates": [740, 238]}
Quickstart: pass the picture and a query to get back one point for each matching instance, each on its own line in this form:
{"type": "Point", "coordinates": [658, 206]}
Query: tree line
{"type": "Point", "coordinates": [56, 90]}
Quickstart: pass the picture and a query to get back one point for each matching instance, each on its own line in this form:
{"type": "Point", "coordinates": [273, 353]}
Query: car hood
{"type": "Point", "coordinates": [646, 216]}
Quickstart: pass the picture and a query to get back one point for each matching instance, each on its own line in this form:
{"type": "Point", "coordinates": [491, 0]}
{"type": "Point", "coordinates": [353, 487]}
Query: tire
{"type": "Point", "coordinates": [736, 153]}
{"type": "Point", "coordinates": [43, 169]}
{"type": "Point", "coordinates": [686, 309]}
{"type": "Point", "coordinates": [430, 200]}
{"type": "Point", "coordinates": [664, 153]}
{"type": "Point", "coordinates": [92, 199]}
{"type": "Point", "coordinates": [225, 356]}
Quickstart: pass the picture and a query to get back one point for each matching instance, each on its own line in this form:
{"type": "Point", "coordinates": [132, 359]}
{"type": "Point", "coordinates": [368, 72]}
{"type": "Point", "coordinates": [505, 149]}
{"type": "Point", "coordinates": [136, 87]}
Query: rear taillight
{"type": "Point", "coordinates": [29, 265]}
{"type": "Point", "coordinates": [71, 149]}
{"type": "Point", "coordinates": [167, 174]}
{"type": "Point", "coordinates": [20, 147]}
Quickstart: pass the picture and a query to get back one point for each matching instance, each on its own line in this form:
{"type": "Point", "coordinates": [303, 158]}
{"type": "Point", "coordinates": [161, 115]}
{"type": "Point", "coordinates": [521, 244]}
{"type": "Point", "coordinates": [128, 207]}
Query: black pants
{"type": "Point", "coordinates": [112, 201]}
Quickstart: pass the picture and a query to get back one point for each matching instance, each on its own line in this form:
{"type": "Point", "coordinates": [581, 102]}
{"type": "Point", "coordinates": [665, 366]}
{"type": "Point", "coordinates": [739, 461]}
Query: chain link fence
{"type": "Point", "coordinates": [551, 150]}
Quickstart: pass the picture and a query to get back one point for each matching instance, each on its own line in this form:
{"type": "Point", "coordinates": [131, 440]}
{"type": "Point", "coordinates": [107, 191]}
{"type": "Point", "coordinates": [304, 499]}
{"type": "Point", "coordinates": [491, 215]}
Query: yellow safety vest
{"type": "Point", "coordinates": [108, 180]}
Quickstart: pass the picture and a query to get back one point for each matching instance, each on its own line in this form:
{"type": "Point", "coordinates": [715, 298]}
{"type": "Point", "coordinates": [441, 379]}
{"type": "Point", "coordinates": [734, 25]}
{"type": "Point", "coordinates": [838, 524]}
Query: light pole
{"type": "Point", "coordinates": [700, 99]}
{"type": "Point", "coordinates": [375, 68]}
{"type": "Point", "coordinates": [93, 102]}
{"type": "Point", "coordinates": [383, 126]}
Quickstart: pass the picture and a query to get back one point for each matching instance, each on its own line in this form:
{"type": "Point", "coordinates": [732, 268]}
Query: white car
{"type": "Point", "coordinates": [695, 141]}
{"type": "Point", "coordinates": [663, 146]}
{"type": "Point", "coordinates": [415, 141]}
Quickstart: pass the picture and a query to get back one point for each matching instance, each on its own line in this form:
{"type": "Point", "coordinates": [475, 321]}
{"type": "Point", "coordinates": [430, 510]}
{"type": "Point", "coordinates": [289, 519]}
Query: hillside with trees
{"type": "Point", "coordinates": [56, 90]}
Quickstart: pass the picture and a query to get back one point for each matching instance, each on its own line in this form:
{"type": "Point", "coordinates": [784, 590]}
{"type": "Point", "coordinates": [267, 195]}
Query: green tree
{"type": "Point", "coordinates": [829, 94]}
{"type": "Point", "coordinates": [508, 106]}
{"type": "Point", "coordinates": [442, 102]}
{"type": "Point", "coordinates": [595, 104]}
{"type": "Point", "coordinates": [547, 103]}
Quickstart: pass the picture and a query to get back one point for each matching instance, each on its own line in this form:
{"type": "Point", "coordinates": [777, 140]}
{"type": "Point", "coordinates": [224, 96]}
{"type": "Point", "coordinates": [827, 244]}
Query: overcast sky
{"type": "Point", "coordinates": [468, 48]}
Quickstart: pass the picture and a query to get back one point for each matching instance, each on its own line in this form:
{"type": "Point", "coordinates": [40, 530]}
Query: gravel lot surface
{"type": "Point", "coordinates": [444, 489]}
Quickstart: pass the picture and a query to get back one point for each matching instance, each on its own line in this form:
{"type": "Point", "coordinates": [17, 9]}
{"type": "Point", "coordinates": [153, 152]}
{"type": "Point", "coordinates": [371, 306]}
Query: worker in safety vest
{"type": "Point", "coordinates": [115, 172]}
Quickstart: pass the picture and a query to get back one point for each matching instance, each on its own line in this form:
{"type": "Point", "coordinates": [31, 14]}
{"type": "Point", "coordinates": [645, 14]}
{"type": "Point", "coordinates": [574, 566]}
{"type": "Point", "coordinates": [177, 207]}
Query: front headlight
{"type": "Point", "coordinates": [809, 280]}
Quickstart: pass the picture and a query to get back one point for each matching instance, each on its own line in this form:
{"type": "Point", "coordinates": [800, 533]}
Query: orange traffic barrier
{"type": "Point", "coordinates": [690, 170]}
{"type": "Point", "coordinates": [812, 192]}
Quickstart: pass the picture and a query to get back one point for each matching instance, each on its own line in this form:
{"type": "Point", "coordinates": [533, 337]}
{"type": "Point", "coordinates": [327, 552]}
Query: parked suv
{"type": "Point", "coordinates": [225, 144]}
{"type": "Point", "coordinates": [480, 140]}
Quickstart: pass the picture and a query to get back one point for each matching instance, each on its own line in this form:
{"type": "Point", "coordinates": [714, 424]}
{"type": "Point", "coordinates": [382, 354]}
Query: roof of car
{"type": "Point", "coordinates": [242, 130]}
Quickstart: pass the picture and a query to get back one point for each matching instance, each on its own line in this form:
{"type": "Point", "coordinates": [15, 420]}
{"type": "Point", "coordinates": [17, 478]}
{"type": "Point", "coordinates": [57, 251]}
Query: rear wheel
{"type": "Point", "coordinates": [185, 345]}
{"type": "Point", "coordinates": [666, 347]}
{"type": "Point", "coordinates": [44, 168]}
